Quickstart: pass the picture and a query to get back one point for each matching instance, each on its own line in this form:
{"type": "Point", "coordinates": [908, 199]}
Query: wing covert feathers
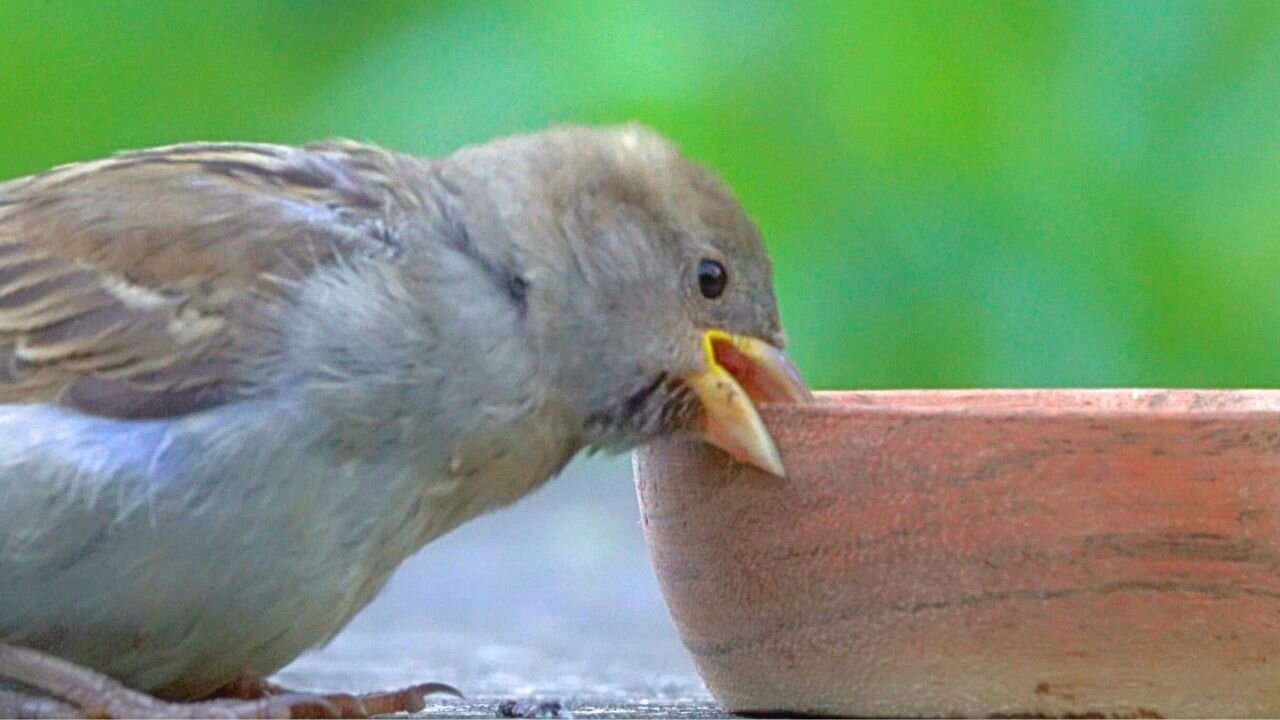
{"type": "Point", "coordinates": [128, 286]}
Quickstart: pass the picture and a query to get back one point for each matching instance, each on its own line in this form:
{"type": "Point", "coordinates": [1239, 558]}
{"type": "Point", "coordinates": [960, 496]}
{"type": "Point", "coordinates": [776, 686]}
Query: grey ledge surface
{"type": "Point", "coordinates": [546, 609]}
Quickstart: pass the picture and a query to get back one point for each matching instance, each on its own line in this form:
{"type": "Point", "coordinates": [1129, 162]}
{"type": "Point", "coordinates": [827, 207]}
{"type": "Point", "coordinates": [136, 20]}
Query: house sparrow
{"type": "Point", "coordinates": [241, 383]}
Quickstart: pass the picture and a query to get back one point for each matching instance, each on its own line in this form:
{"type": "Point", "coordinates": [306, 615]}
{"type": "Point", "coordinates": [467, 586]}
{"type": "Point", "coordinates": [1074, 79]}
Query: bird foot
{"type": "Point", "coordinates": [346, 705]}
{"type": "Point", "coordinates": [74, 691]}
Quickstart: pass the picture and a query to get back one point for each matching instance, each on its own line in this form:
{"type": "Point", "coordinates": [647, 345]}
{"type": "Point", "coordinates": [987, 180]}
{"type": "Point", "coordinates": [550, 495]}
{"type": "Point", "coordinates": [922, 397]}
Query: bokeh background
{"type": "Point", "coordinates": [953, 193]}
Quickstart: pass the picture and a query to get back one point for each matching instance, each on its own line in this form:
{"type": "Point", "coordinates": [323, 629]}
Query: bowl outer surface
{"type": "Point", "coordinates": [979, 553]}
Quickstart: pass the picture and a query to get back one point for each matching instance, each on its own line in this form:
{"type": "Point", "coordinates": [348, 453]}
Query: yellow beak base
{"type": "Point", "coordinates": [740, 372]}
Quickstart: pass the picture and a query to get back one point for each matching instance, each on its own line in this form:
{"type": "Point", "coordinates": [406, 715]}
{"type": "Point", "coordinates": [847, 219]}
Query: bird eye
{"type": "Point", "coordinates": [712, 278]}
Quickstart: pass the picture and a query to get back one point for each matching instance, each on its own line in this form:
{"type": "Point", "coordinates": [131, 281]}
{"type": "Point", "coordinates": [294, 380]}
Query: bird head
{"type": "Point", "coordinates": [649, 284]}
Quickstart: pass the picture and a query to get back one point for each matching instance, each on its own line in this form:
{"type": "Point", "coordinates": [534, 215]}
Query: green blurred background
{"type": "Point", "coordinates": [954, 193]}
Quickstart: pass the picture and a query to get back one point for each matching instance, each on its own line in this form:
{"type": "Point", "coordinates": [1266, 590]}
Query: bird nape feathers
{"type": "Point", "coordinates": [241, 383]}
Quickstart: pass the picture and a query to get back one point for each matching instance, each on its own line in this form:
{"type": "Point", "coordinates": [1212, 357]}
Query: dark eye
{"type": "Point", "coordinates": [712, 278]}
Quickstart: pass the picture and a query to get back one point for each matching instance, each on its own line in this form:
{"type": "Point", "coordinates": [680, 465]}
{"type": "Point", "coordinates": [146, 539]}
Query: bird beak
{"type": "Point", "coordinates": [742, 371]}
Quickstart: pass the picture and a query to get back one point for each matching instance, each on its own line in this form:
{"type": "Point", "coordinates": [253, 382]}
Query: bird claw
{"type": "Point", "coordinates": [340, 705]}
{"type": "Point", "coordinates": [410, 699]}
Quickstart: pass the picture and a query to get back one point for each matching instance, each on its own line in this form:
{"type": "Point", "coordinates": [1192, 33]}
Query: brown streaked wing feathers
{"type": "Point", "coordinates": [128, 285]}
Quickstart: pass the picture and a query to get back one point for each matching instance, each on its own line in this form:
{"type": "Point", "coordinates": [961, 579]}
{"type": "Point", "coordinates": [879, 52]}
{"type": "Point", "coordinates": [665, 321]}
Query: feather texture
{"type": "Point", "coordinates": [239, 384]}
{"type": "Point", "coordinates": [131, 287]}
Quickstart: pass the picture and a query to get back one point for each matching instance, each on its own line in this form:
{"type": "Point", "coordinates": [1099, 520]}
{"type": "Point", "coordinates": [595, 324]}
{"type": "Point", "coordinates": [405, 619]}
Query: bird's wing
{"type": "Point", "coordinates": [128, 286]}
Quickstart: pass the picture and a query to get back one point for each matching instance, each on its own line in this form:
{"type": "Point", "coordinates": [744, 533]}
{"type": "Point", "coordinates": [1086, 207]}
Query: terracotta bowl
{"type": "Point", "coordinates": [983, 553]}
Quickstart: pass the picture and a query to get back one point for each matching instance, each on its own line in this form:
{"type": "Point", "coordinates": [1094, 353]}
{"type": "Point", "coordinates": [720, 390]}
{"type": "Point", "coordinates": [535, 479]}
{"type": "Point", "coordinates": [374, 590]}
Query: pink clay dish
{"type": "Point", "coordinates": [982, 553]}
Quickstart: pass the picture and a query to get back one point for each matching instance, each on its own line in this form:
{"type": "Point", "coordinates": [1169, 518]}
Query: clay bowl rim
{"type": "Point", "coordinates": [1154, 404]}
